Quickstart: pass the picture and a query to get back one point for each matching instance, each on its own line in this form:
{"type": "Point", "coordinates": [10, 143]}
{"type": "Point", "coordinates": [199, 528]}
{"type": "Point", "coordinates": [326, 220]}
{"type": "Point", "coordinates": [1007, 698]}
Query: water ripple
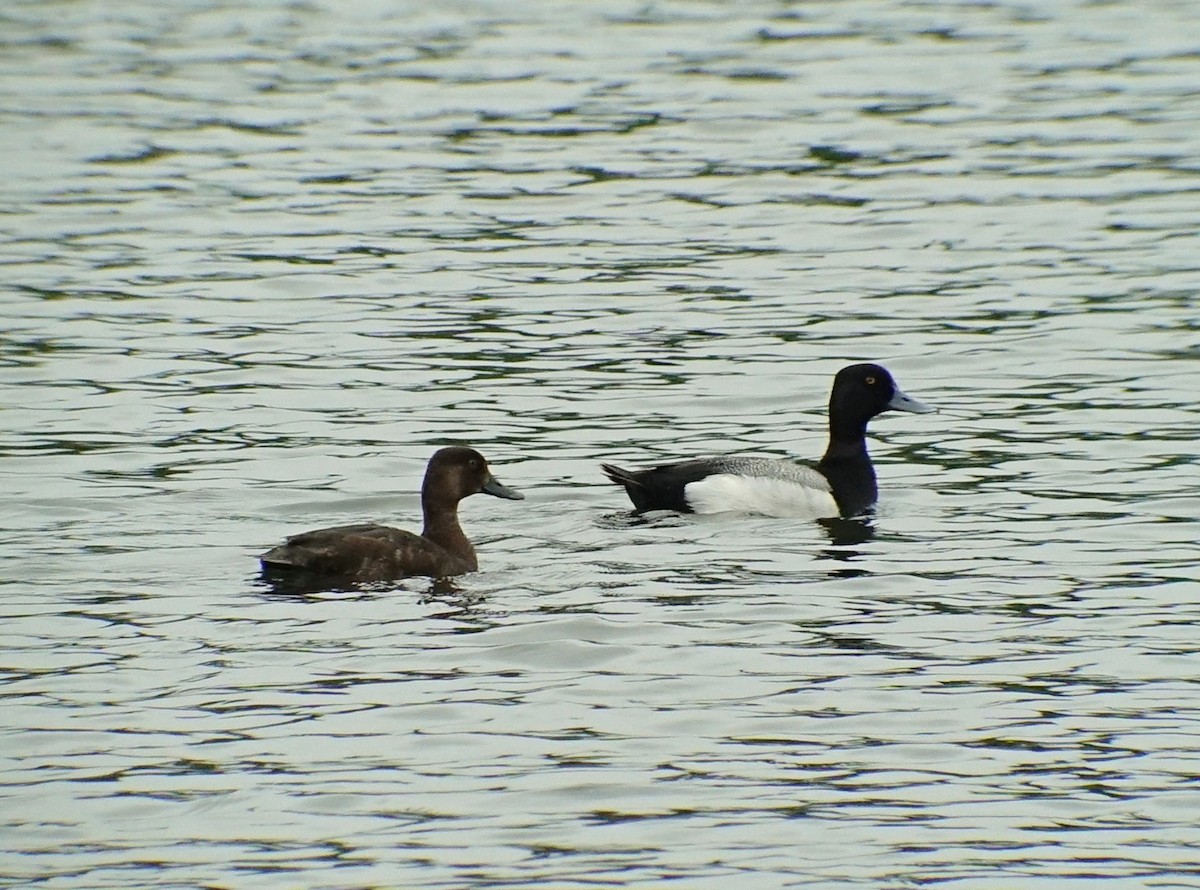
{"type": "Point", "coordinates": [262, 260]}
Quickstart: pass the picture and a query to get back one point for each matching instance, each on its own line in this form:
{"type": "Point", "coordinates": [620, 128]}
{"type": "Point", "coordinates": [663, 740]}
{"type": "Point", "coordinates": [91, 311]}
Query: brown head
{"type": "Point", "coordinates": [458, 472]}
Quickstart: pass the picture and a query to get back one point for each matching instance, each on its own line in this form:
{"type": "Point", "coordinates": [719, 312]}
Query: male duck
{"type": "Point", "coordinates": [364, 553]}
{"type": "Point", "coordinates": [841, 484]}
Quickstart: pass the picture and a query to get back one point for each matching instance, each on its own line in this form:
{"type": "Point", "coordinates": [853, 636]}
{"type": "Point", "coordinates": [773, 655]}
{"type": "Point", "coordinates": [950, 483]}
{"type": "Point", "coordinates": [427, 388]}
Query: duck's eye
{"type": "Point", "coordinates": [870, 381]}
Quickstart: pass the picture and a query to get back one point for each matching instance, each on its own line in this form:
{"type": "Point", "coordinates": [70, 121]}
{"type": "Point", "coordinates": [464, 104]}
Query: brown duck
{"type": "Point", "coordinates": [370, 552]}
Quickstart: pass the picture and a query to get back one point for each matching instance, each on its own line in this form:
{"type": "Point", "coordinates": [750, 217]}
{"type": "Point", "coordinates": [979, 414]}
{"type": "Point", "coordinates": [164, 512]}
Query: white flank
{"type": "Point", "coordinates": [725, 493]}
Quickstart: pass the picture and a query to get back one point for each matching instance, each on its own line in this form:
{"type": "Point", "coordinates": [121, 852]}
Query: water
{"type": "Point", "coordinates": [262, 259]}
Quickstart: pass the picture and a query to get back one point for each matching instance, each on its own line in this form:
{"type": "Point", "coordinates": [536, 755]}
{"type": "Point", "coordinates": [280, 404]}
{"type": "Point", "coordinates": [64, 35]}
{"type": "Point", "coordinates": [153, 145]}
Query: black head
{"type": "Point", "coordinates": [860, 392]}
{"type": "Point", "coordinates": [458, 472]}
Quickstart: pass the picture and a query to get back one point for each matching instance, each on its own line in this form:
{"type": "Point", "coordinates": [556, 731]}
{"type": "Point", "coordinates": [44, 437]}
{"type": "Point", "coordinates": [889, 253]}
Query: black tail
{"type": "Point", "coordinates": [620, 476]}
{"type": "Point", "coordinates": [659, 488]}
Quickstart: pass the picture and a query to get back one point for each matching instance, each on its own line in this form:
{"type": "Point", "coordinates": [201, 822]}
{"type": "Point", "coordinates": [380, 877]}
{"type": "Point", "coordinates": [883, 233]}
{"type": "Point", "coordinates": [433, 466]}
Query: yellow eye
{"type": "Point", "coordinates": [870, 381]}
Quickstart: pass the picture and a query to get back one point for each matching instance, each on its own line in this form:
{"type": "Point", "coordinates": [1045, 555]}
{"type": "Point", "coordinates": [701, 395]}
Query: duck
{"type": "Point", "coordinates": [842, 484]}
{"type": "Point", "coordinates": [356, 554]}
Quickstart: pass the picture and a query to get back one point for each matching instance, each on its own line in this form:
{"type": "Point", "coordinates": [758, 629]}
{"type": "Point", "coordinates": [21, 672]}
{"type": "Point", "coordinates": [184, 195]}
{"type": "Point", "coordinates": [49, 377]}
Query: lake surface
{"type": "Point", "coordinates": [262, 259]}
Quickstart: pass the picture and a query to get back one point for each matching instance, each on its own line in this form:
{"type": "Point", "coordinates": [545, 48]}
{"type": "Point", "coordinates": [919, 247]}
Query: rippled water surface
{"type": "Point", "coordinates": [261, 259]}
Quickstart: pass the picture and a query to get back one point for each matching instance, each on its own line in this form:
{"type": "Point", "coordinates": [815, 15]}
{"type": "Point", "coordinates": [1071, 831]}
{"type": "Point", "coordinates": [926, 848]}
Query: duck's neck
{"type": "Point", "coordinates": [848, 468]}
{"type": "Point", "coordinates": [441, 527]}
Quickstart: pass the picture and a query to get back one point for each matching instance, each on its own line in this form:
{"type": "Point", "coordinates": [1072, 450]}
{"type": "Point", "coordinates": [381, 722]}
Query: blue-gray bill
{"type": "Point", "coordinates": [902, 402]}
{"type": "Point", "coordinates": [493, 487]}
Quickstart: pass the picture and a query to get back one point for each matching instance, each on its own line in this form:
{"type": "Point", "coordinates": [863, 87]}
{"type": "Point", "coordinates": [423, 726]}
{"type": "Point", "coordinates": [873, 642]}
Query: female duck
{"type": "Point", "coordinates": [841, 484]}
{"type": "Point", "coordinates": [365, 553]}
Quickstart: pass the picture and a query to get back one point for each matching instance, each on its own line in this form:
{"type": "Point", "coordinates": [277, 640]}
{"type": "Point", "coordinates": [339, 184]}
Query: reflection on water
{"type": "Point", "coordinates": [261, 259]}
{"type": "Point", "coordinates": [847, 533]}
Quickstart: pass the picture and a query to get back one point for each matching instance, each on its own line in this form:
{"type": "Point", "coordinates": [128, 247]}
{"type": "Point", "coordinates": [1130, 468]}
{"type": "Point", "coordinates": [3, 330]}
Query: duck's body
{"type": "Point", "coordinates": [370, 552]}
{"type": "Point", "coordinates": [841, 484]}
{"type": "Point", "coordinates": [350, 554]}
{"type": "Point", "coordinates": [728, 484]}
